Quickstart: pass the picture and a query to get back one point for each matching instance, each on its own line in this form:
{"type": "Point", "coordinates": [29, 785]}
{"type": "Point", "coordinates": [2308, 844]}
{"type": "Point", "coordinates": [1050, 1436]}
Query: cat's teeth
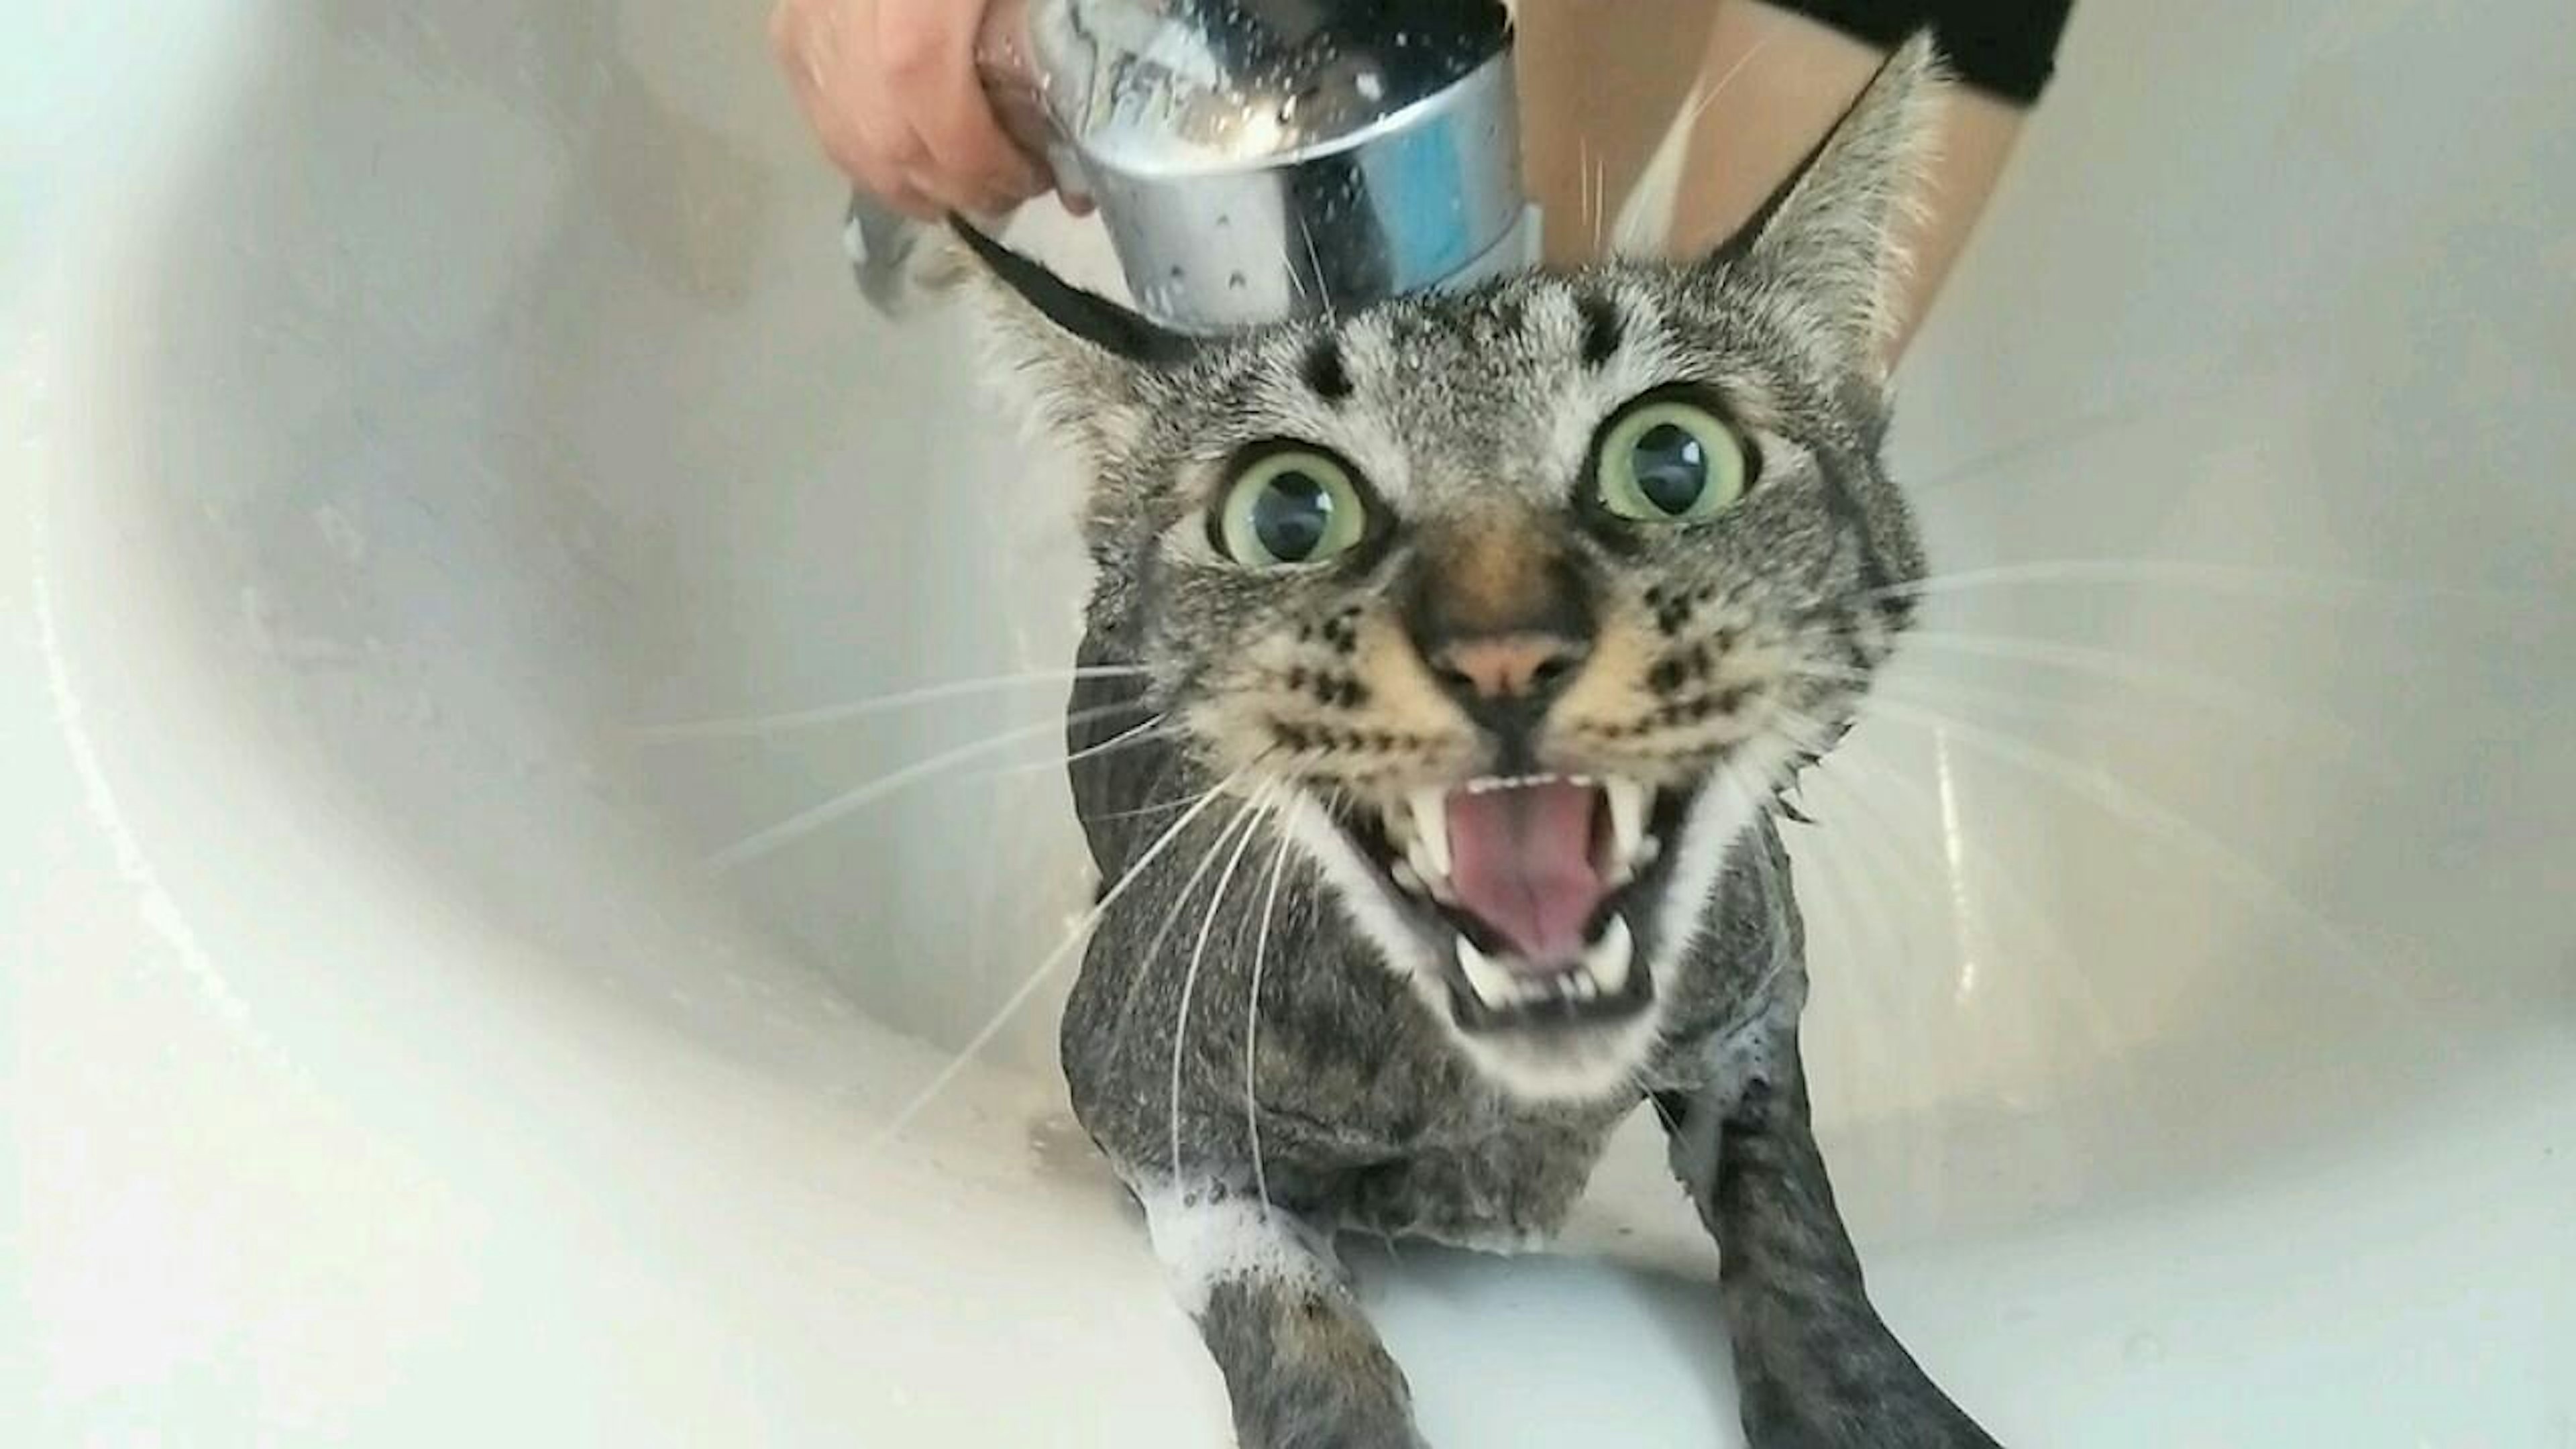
{"type": "Point", "coordinates": [1406, 876]}
{"type": "Point", "coordinates": [1492, 984]}
{"type": "Point", "coordinates": [1608, 959]}
{"type": "Point", "coordinates": [1426, 874]}
{"type": "Point", "coordinates": [1602, 973]}
{"type": "Point", "coordinates": [1430, 845]}
{"type": "Point", "coordinates": [1398, 824]}
{"type": "Point", "coordinates": [1627, 820]}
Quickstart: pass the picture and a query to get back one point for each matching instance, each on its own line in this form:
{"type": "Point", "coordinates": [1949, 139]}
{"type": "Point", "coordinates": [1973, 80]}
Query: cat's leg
{"type": "Point", "coordinates": [1302, 1366]}
{"type": "Point", "coordinates": [1818, 1369]}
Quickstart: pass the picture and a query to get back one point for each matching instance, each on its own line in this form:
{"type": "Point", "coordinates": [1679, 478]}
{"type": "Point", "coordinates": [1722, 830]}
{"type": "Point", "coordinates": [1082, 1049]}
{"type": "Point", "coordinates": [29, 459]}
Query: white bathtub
{"type": "Point", "coordinates": [400, 414]}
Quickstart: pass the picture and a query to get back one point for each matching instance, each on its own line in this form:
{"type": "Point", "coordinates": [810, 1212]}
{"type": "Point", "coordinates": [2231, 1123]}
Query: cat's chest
{"type": "Point", "coordinates": [1396, 1135]}
{"type": "Point", "coordinates": [1352, 1061]}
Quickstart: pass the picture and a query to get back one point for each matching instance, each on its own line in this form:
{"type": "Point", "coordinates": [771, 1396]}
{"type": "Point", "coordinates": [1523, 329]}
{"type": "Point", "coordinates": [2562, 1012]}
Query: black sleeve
{"type": "Point", "coordinates": [2007, 48]}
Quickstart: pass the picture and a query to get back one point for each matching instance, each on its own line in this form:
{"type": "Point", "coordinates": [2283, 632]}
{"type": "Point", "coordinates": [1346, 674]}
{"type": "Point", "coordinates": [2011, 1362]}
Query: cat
{"type": "Point", "coordinates": [1445, 664]}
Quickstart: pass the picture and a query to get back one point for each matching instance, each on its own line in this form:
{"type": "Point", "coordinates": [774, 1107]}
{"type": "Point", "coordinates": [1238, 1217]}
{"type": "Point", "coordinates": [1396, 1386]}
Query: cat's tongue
{"type": "Point", "coordinates": [1521, 862]}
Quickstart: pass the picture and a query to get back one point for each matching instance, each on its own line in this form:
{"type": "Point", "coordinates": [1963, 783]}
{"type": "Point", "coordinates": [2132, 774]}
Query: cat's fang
{"type": "Point", "coordinates": [1607, 960]}
{"type": "Point", "coordinates": [1493, 985]}
{"type": "Point", "coordinates": [1429, 847]}
{"type": "Point", "coordinates": [1627, 821]}
{"type": "Point", "coordinates": [1425, 872]}
{"type": "Point", "coordinates": [1397, 822]}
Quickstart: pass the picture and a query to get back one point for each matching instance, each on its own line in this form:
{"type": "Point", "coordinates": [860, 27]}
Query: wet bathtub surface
{"type": "Point", "coordinates": [406, 416]}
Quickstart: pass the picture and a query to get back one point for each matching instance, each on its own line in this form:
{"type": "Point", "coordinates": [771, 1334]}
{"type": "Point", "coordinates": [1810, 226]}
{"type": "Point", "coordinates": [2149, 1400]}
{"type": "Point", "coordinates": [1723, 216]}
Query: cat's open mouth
{"type": "Point", "coordinates": [1535, 881]}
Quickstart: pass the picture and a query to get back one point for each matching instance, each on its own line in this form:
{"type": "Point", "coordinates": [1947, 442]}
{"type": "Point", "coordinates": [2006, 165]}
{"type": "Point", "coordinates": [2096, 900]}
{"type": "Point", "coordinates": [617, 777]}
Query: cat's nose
{"type": "Point", "coordinates": [1508, 670]}
{"type": "Point", "coordinates": [1505, 682]}
{"type": "Point", "coordinates": [1500, 613]}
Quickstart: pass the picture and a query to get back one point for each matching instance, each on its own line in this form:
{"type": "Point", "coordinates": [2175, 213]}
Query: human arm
{"type": "Point", "coordinates": [1765, 81]}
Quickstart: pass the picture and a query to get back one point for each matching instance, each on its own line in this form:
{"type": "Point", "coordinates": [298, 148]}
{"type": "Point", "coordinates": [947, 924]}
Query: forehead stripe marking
{"type": "Point", "coordinates": [1601, 328]}
{"type": "Point", "coordinates": [1324, 371]}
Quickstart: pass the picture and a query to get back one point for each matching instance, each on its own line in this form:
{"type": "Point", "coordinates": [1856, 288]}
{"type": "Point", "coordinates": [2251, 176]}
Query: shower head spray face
{"type": "Point", "coordinates": [1257, 160]}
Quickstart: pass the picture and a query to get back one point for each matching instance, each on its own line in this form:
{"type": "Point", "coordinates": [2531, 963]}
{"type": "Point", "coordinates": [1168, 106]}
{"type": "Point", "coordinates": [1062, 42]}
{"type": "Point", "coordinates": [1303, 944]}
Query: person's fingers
{"type": "Point", "coordinates": [890, 90]}
{"type": "Point", "coordinates": [926, 49]}
{"type": "Point", "coordinates": [898, 166]}
{"type": "Point", "coordinates": [895, 172]}
{"type": "Point", "coordinates": [813, 40]}
{"type": "Point", "coordinates": [896, 188]}
{"type": "Point", "coordinates": [858, 156]}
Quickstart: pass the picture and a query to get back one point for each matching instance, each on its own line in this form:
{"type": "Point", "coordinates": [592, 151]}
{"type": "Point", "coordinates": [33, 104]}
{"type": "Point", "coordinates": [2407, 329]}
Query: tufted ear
{"type": "Point", "coordinates": [1832, 229]}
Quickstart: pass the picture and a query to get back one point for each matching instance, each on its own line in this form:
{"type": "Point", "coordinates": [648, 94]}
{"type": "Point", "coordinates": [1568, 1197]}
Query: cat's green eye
{"type": "Point", "coordinates": [1670, 461]}
{"type": "Point", "coordinates": [1290, 507]}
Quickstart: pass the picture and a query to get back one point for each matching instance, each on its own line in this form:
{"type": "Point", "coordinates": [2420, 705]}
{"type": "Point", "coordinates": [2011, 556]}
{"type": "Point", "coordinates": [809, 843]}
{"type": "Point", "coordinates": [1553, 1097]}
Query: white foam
{"type": "Point", "coordinates": [1205, 1237]}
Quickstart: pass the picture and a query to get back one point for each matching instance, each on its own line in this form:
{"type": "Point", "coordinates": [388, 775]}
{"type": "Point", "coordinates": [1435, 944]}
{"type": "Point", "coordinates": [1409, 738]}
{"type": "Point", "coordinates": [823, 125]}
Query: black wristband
{"type": "Point", "coordinates": [2007, 48]}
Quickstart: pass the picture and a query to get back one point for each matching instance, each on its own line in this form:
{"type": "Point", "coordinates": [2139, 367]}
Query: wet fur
{"type": "Point", "coordinates": [1722, 656]}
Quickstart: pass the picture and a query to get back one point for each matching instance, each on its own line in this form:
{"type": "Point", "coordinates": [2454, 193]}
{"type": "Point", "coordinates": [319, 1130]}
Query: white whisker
{"type": "Point", "coordinates": [2223, 378]}
{"type": "Point", "coordinates": [2227, 866]}
{"type": "Point", "coordinates": [2068, 984]}
{"type": "Point", "coordinates": [2121, 715]}
{"type": "Point", "coordinates": [1253, 812]}
{"type": "Point", "coordinates": [1824, 878]}
{"type": "Point", "coordinates": [1583, 179]}
{"type": "Point", "coordinates": [1699, 109]}
{"type": "Point", "coordinates": [2263, 582]}
{"type": "Point", "coordinates": [1645, 220]}
{"type": "Point", "coordinates": [1601, 202]}
{"type": "Point", "coordinates": [2198, 687]}
{"type": "Point", "coordinates": [1777, 902]}
{"type": "Point", "coordinates": [759, 843]}
{"type": "Point", "coordinates": [1323, 288]}
{"type": "Point", "coordinates": [1138, 813]}
{"type": "Point", "coordinates": [1144, 732]}
{"type": "Point", "coordinates": [1882, 777]}
{"type": "Point", "coordinates": [1252, 1018]}
{"type": "Point", "coordinates": [1019, 997]}
{"type": "Point", "coordinates": [1153, 953]}
{"type": "Point", "coordinates": [757, 725]}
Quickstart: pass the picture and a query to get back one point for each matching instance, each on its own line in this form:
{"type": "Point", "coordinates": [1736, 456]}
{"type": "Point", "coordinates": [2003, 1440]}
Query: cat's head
{"type": "Point", "coordinates": [1528, 599]}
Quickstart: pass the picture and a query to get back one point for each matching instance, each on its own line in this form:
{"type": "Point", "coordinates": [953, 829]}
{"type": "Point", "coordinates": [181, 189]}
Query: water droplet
{"type": "Point", "coordinates": [1234, 282]}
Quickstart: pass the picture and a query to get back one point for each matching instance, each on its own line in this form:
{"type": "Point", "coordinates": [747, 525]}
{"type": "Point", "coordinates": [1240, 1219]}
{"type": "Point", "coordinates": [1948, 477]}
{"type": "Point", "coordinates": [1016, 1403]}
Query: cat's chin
{"type": "Point", "coordinates": [1580, 1064]}
{"type": "Point", "coordinates": [1551, 1015]}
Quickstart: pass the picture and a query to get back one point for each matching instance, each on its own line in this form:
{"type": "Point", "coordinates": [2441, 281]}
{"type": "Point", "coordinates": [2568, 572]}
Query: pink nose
{"type": "Point", "coordinates": [1507, 666]}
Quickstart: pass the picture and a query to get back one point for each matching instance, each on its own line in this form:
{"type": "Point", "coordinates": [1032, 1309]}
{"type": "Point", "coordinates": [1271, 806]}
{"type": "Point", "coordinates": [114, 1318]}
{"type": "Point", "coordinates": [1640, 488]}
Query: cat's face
{"type": "Point", "coordinates": [1527, 599]}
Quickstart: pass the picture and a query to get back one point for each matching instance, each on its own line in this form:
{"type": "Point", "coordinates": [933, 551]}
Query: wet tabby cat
{"type": "Point", "coordinates": [1477, 636]}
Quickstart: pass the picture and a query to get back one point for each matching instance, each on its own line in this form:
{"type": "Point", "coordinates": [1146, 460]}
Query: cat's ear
{"type": "Point", "coordinates": [1834, 228]}
{"type": "Point", "coordinates": [1083, 355]}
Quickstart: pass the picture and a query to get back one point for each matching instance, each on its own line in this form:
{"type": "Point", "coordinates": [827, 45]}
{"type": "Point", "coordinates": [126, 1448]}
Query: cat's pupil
{"type": "Point", "coordinates": [1291, 515]}
{"type": "Point", "coordinates": [1670, 466]}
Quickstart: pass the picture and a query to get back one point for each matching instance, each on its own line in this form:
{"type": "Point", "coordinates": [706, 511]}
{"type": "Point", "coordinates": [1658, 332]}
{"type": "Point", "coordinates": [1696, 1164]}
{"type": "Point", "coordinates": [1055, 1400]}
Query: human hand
{"type": "Point", "coordinates": [891, 89]}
